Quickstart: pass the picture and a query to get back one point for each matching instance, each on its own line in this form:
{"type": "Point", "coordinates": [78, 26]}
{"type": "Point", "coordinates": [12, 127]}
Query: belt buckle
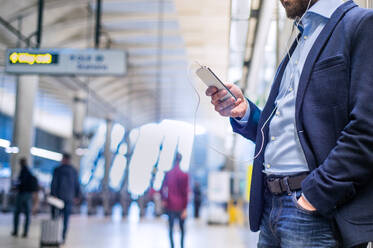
{"type": "Point", "coordinates": [287, 187]}
{"type": "Point", "coordinates": [272, 187]}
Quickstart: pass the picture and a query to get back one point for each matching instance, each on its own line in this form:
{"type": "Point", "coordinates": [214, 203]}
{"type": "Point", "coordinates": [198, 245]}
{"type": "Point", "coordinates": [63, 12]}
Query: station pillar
{"type": "Point", "coordinates": [23, 127]}
{"type": "Point", "coordinates": [79, 114]}
{"type": "Point", "coordinates": [125, 196]}
{"type": "Point", "coordinates": [108, 158]}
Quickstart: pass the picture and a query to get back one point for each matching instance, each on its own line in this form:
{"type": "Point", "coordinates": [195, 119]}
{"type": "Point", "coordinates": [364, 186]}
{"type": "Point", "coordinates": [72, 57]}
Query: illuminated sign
{"type": "Point", "coordinates": [66, 62]}
{"type": "Point", "coordinates": [30, 58]}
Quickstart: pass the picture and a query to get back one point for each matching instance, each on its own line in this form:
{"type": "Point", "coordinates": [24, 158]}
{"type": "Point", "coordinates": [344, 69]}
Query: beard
{"type": "Point", "coordinates": [296, 8]}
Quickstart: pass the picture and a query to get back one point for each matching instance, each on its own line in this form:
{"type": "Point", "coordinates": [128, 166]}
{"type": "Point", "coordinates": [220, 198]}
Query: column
{"type": "Point", "coordinates": [125, 196]}
{"type": "Point", "coordinates": [108, 158]}
{"type": "Point", "coordinates": [265, 18]}
{"type": "Point", "coordinates": [79, 114]}
{"type": "Point", "coordinates": [23, 128]}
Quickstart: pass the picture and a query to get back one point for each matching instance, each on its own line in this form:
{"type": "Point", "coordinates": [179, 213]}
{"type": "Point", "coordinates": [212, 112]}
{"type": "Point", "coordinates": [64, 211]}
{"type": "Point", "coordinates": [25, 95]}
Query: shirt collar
{"type": "Point", "coordinates": [325, 8]}
{"type": "Point", "coordinates": [322, 8]}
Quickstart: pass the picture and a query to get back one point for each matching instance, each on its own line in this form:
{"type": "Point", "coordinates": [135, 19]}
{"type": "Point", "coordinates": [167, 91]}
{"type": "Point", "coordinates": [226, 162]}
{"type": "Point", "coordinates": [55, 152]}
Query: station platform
{"type": "Point", "coordinates": [132, 232]}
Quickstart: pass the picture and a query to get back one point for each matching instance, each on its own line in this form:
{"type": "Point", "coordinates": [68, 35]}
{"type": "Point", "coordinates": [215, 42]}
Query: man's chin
{"type": "Point", "coordinates": [291, 15]}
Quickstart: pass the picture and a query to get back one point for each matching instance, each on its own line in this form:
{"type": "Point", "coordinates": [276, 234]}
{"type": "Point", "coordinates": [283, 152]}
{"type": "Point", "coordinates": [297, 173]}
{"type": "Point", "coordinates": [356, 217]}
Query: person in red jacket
{"type": "Point", "coordinates": [175, 197]}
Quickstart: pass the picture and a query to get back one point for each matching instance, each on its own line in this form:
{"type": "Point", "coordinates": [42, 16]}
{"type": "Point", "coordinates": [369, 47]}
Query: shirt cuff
{"type": "Point", "coordinates": [243, 121]}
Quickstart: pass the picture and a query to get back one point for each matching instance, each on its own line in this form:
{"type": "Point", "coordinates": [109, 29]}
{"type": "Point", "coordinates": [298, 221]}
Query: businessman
{"type": "Point", "coordinates": [311, 184]}
{"type": "Point", "coordinates": [65, 186]}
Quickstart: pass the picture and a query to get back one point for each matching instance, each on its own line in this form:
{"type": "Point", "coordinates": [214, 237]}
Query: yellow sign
{"type": "Point", "coordinates": [248, 181]}
{"type": "Point", "coordinates": [28, 58]}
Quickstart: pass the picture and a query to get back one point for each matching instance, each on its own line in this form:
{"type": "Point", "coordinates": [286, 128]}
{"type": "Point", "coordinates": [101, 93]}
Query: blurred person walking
{"type": "Point", "coordinates": [26, 185]}
{"type": "Point", "coordinates": [175, 197]}
{"type": "Point", "coordinates": [197, 199]}
{"type": "Point", "coordinates": [65, 186]}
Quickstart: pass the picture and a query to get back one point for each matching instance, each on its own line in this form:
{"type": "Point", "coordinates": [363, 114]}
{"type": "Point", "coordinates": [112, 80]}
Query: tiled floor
{"type": "Point", "coordinates": [112, 232]}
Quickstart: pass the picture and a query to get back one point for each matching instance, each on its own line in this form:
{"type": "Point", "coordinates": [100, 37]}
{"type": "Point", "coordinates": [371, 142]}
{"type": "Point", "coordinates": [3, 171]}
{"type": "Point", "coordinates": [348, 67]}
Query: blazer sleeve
{"type": "Point", "coordinates": [350, 164]}
{"type": "Point", "coordinates": [250, 129]}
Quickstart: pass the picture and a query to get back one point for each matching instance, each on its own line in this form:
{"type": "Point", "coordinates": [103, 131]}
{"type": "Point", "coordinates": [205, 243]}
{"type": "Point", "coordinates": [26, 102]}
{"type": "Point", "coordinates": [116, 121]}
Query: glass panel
{"type": "Point", "coordinates": [241, 9]}
{"type": "Point", "coordinates": [238, 35]}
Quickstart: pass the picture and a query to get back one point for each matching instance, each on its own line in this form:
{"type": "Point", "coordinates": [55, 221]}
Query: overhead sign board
{"type": "Point", "coordinates": [64, 62]}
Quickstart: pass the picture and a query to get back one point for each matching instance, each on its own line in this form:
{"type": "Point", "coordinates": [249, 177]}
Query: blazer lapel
{"type": "Point", "coordinates": [270, 104]}
{"type": "Point", "coordinates": [256, 200]}
{"type": "Point", "coordinates": [314, 54]}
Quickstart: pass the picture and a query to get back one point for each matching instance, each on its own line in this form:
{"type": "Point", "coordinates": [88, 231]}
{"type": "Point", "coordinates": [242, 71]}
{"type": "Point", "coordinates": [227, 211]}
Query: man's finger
{"type": "Point", "coordinates": [237, 111]}
{"type": "Point", "coordinates": [229, 85]}
{"type": "Point", "coordinates": [219, 95]}
{"type": "Point", "coordinates": [226, 112]}
{"type": "Point", "coordinates": [238, 102]}
{"type": "Point", "coordinates": [211, 90]}
{"type": "Point", "coordinates": [227, 103]}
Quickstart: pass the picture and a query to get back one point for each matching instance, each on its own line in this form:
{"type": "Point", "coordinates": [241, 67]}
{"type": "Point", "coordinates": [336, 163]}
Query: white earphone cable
{"type": "Point", "coordinates": [282, 99]}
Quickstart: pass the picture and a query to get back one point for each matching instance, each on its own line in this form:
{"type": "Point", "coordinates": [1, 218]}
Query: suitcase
{"type": "Point", "coordinates": [51, 233]}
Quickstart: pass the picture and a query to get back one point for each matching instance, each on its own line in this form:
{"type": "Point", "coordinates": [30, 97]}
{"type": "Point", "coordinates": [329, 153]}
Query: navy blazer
{"type": "Point", "coordinates": [334, 122]}
{"type": "Point", "coordinates": [65, 183]}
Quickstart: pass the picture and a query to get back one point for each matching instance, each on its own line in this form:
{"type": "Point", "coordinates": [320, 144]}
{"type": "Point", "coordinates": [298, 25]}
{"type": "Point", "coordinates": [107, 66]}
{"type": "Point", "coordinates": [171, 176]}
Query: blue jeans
{"type": "Point", "coordinates": [23, 204]}
{"type": "Point", "coordinates": [66, 211]}
{"type": "Point", "coordinates": [172, 215]}
{"type": "Point", "coordinates": [286, 224]}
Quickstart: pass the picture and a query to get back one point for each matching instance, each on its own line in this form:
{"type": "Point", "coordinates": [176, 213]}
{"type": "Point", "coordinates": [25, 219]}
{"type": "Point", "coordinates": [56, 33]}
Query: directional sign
{"type": "Point", "coordinates": [65, 62]}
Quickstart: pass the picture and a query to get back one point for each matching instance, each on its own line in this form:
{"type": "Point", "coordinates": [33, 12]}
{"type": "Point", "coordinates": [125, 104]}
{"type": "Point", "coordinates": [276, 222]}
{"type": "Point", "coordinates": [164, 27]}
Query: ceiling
{"type": "Point", "coordinates": [158, 83]}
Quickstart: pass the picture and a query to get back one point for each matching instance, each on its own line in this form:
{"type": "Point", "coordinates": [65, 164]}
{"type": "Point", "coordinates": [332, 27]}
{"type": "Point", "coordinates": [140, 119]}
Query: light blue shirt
{"type": "Point", "coordinates": [283, 154]}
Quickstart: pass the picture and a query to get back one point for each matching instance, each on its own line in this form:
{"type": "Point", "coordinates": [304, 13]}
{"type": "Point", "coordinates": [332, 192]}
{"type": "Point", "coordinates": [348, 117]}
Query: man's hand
{"type": "Point", "coordinates": [228, 107]}
{"type": "Point", "coordinates": [184, 214]}
{"type": "Point", "coordinates": [305, 204]}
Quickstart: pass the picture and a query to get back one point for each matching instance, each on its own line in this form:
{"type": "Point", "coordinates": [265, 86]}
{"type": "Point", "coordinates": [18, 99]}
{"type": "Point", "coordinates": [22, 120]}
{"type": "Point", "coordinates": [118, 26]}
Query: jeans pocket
{"type": "Point", "coordinates": [299, 207]}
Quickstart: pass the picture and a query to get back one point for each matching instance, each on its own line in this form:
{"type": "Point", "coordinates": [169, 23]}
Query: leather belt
{"type": "Point", "coordinates": [286, 184]}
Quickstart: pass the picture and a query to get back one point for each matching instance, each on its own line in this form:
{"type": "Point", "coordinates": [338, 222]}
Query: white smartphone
{"type": "Point", "coordinates": [210, 79]}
